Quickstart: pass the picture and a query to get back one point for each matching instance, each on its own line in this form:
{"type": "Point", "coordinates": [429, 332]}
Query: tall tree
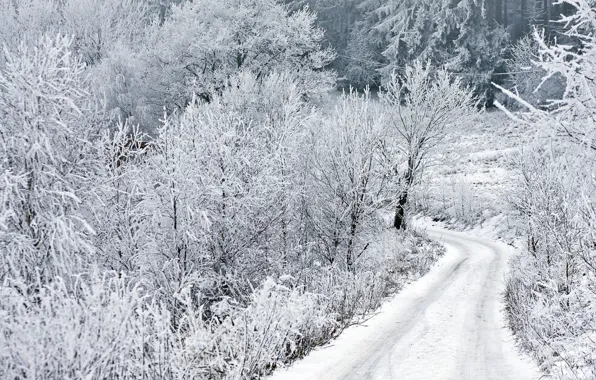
{"type": "Point", "coordinates": [424, 106]}
{"type": "Point", "coordinates": [456, 35]}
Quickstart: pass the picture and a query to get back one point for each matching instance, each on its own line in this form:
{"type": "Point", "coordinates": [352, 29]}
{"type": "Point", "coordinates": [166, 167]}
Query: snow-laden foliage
{"type": "Point", "coordinates": [351, 178]}
{"type": "Point", "coordinates": [145, 56]}
{"type": "Point", "coordinates": [525, 75]}
{"type": "Point", "coordinates": [104, 328]}
{"type": "Point", "coordinates": [423, 106]}
{"type": "Point", "coordinates": [203, 43]}
{"type": "Point", "coordinates": [247, 228]}
{"type": "Point", "coordinates": [47, 161]}
{"type": "Point", "coordinates": [454, 35]}
{"type": "Point", "coordinates": [214, 193]}
{"type": "Point", "coordinates": [96, 25]}
{"type": "Point", "coordinates": [550, 291]}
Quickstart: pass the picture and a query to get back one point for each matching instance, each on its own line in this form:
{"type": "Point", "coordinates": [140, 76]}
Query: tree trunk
{"type": "Point", "coordinates": [524, 22]}
{"type": "Point", "coordinates": [505, 10]}
{"type": "Point", "coordinates": [399, 221]}
{"type": "Point", "coordinates": [546, 18]}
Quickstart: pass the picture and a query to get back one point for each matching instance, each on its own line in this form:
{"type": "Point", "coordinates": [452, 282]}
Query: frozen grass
{"type": "Point", "coordinates": [472, 178]}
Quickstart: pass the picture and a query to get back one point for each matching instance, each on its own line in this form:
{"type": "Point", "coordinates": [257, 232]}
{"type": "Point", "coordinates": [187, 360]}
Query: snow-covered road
{"type": "Point", "coordinates": [447, 325]}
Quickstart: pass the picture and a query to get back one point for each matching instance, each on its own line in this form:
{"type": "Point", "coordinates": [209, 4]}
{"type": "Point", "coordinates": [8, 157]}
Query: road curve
{"type": "Point", "coordinates": [448, 325]}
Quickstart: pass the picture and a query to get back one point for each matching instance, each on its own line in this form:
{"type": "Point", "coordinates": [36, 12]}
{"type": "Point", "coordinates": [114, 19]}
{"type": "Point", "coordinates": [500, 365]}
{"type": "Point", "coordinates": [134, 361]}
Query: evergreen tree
{"type": "Point", "coordinates": [456, 35]}
{"type": "Point", "coordinates": [478, 48]}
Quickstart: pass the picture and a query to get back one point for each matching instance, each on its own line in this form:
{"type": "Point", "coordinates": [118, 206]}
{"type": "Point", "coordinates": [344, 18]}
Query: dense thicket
{"type": "Point", "coordinates": [469, 37]}
{"type": "Point", "coordinates": [173, 202]}
{"type": "Point", "coordinates": [552, 285]}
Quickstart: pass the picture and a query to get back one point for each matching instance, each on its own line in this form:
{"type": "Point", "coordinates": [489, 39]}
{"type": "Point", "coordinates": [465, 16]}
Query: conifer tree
{"type": "Point", "coordinates": [455, 35]}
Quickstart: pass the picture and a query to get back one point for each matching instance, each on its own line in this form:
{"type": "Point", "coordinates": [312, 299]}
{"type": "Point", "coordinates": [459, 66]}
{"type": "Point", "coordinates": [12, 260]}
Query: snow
{"type": "Point", "coordinates": [447, 325]}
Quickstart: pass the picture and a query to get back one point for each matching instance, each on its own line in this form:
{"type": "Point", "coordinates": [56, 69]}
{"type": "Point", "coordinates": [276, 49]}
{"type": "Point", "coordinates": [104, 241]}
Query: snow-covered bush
{"type": "Point", "coordinates": [196, 252]}
{"type": "Point", "coordinates": [47, 161]}
{"type": "Point", "coordinates": [464, 205]}
{"type": "Point", "coordinates": [102, 327]}
{"type": "Point", "coordinates": [24, 22]}
{"type": "Point", "coordinates": [205, 43]}
{"type": "Point", "coordinates": [116, 218]}
{"type": "Point", "coordinates": [350, 178]}
{"type": "Point", "coordinates": [278, 323]}
{"type": "Point", "coordinates": [96, 26]}
{"type": "Point", "coordinates": [550, 290]}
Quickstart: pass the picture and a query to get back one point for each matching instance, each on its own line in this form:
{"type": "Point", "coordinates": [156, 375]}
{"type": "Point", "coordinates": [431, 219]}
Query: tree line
{"type": "Point", "coordinates": [468, 37]}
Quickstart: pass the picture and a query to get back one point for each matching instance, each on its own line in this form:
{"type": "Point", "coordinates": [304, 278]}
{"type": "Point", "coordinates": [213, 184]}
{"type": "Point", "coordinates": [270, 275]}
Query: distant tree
{"type": "Point", "coordinates": [24, 22]}
{"type": "Point", "coordinates": [478, 48]}
{"type": "Point", "coordinates": [526, 76]}
{"type": "Point", "coordinates": [98, 25]}
{"type": "Point", "coordinates": [424, 106]}
{"type": "Point", "coordinates": [456, 35]}
{"type": "Point", "coordinates": [337, 18]}
{"type": "Point", "coordinates": [572, 116]}
{"type": "Point", "coordinates": [364, 57]}
{"type": "Point", "coordinates": [364, 50]}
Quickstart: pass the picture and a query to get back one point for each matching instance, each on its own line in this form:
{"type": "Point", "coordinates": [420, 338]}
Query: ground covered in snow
{"type": "Point", "coordinates": [471, 180]}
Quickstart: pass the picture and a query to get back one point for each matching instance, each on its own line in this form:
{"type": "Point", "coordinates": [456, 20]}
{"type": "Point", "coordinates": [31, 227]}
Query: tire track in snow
{"type": "Point", "coordinates": [369, 364]}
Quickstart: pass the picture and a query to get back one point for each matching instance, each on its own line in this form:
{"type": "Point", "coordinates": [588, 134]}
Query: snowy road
{"type": "Point", "coordinates": [447, 325]}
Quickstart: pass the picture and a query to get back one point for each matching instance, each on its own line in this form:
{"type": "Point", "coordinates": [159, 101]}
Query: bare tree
{"type": "Point", "coordinates": [350, 179]}
{"type": "Point", "coordinates": [425, 105]}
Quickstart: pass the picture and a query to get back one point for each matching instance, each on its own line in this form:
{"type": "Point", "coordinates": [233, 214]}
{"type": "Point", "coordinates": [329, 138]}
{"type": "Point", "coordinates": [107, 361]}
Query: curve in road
{"type": "Point", "coordinates": [448, 325]}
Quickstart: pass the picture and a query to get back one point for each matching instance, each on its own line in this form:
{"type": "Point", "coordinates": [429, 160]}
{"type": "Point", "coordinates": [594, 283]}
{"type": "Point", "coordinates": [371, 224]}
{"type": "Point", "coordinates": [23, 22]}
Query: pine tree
{"type": "Point", "coordinates": [478, 48]}
{"type": "Point", "coordinates": [455, 35]}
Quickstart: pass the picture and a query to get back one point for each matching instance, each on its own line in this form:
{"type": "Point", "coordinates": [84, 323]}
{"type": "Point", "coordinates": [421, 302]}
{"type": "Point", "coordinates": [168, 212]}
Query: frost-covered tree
{"type": "Point", "coordinates": [351, 181]}
{"type": "Point", "coordinates": [24, 22]}
{"type": "Point", "coordinates": [203, 44]}
{"type": "Point", "coordinates": [364, 52]}
{"type": "Point", "coordinates": [550, 294]}
{"type": "Point", "coordinates": [571, 117]}
{"type": "Point", "coordinates": [96, 26]}
{"type": "Point", "coordinates": [477, 45]}
{"type": "Point", "coordinates": [99, 25]}
{"type": "Point", "coordinates": [47, 161]}
{"type": "Point", "coordinates": [214, 195]}
{"type": "Point", "coordinates": [116, 215]}
{"type": "Point", "coordinates": [526, 76]}
{"type": "Point", "coordinates": [424, 105]}
{"type": "Point", "coordinates": [106, 35]}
